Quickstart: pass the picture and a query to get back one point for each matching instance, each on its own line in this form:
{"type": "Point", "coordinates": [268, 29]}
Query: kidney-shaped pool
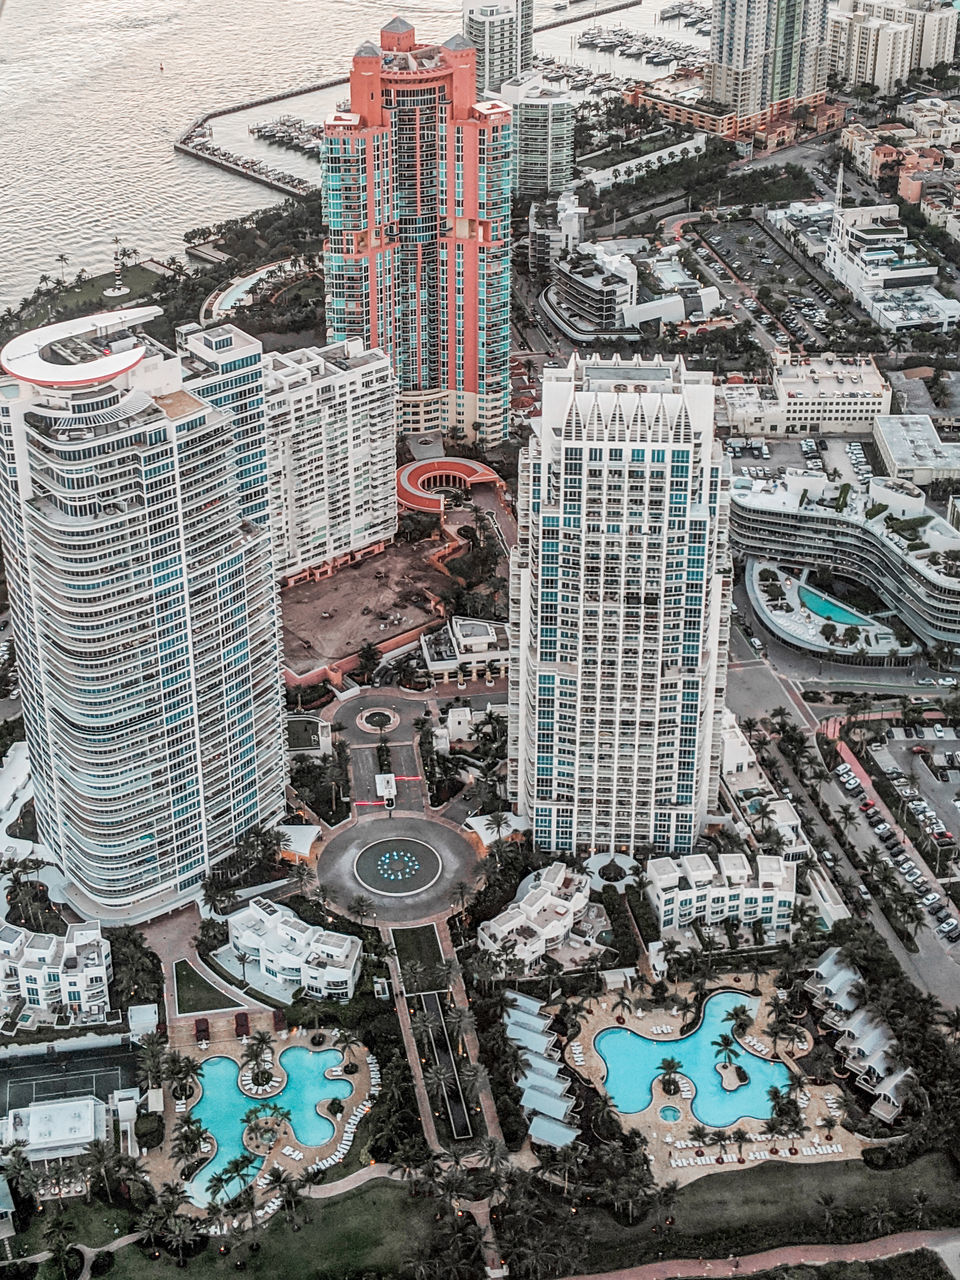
{"type": "Point", "coordinates": [633, 1063]}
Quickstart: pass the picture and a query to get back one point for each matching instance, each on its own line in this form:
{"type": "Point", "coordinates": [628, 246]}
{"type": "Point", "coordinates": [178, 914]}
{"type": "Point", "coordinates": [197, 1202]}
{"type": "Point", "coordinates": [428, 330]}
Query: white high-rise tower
{"type": "Point", "coordinates": [620, 596]}
{"type": "Point", "coordinates": [502, 31]}
{"type": "Point", "coordinates": [144, 612]}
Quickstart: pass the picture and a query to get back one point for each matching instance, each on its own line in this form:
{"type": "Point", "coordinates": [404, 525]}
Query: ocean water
{"type": "Point", "coordinates": [88, 118]}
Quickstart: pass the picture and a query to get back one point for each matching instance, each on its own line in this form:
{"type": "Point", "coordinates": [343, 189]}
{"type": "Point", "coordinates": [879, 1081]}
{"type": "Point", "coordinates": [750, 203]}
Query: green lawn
{"type": "Point", "coordinates": [752, 1202]}
{"type": "Point", "coordinates": [195, 994]}
{"type": "Point", "coordinates": [92, 1224]}
{"type": "Point", "coordinates": [376, 1227]}
{"type": "Point", "coordinates": [417, 946]}
{"type": "Point", "coordinates": [138, 280]}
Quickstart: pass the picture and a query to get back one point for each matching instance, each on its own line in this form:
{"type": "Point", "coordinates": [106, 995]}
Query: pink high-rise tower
{"type": "Point", "coordinates": [416, 190]}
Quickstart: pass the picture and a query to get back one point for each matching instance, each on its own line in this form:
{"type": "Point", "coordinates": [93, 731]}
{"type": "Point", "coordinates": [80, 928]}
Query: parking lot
{"type": "Point", "coordinates": [829, 455]}
{"type": "Point", "coordinates": [751, 257]}
{"type": "Point", "coordinates": [907, 860]}
{"type": "Point", "coordinates": [931, 764]}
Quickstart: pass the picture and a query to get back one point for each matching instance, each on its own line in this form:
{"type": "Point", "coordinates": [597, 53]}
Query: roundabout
{"type": "Point", "coordinates": [409, 867]}
{"type": "Point", "coordinates": [377, 720]}
{"type": "Point", "coordinates": [398, 868]}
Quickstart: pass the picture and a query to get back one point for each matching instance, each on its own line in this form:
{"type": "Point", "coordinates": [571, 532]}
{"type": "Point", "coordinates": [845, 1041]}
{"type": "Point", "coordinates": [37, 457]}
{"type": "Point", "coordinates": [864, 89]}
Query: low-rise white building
{"type": "Point", "coordinates": [332, 456]}
{"type": "Point", "coordinates": [466, 648]}
{"type": "Point", "coordinates": [544, 914]}
{"type": "Point", "coordinates": [808, 395]}
{"type": "Point", "coordinates": [695, 887]}
{"type": "Point", "coordinates": [68, 974]}
{"type": "Point", "coordinates": [295, 954]}
{"type": "Point", "coordinates": [911, 449]}
{"type": "Point", "coordinates": [57, 1130]}
{"type": "Point", "coordinates": [935, 118]}
{"type": "Point", "coordinates": [871, 253]}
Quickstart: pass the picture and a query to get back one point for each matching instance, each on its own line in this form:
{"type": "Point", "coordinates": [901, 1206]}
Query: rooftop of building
{"type": "Point", "coordinates": [804, 491]}
{"type": "Point", "coordinates": [913, 441]}
{"type": "Point", "coordinates": [828, 375]}
{"type": "Point", "coordinates": [84, 351]}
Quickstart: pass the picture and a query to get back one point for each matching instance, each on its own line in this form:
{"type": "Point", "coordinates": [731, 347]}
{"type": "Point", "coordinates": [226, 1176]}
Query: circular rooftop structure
{"type": "Point", "coordinates": [416, 480]}
{"type": "Point", "coordinates": [82, 352]}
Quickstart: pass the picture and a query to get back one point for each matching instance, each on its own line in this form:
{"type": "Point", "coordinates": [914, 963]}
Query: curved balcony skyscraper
{"type": "Point", "coordinates": [144, 613]}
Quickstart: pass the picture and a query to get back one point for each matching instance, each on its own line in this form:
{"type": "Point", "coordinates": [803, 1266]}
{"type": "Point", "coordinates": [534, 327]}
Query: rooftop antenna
{"type": "Point", "coordinates": [838, 204]}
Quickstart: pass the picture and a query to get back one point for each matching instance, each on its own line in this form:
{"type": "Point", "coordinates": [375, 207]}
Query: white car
{"type": "Point", "coordinates": [938, 730]}
{"type": "Point", "coordinates": [947, 682]}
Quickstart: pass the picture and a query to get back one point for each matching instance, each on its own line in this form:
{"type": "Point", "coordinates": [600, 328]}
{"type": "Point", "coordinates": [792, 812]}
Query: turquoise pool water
{"type": "Point", "coordinates": [826, 607]}
{"type": "Point", "coordinates": [633, 1064]}
{"type": "Point", "coordinates": [224, 1104]}
{"type": "Point", "coordinates": [237, 292]}
{"type": "Point", "coordinates": [670, 1114]}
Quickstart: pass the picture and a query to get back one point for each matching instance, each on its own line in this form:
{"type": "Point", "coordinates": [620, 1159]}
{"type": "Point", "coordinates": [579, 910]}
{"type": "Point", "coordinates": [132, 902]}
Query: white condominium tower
{"type": "Point", "coordinates": [502, 31]}
{"type": "Point", "coordinates": [619, 608]}
{"type": "Point", "coordinates": [766, 56]}
{"type": "Point", "coordinates": [144, 613]}
{"type": "Point", "coordinates": [332, 453]}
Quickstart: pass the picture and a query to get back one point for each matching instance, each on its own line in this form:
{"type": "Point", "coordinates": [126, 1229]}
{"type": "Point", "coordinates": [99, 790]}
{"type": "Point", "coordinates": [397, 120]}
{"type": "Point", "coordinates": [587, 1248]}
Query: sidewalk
{"type": "Point", "coordinates": [812, 1254]}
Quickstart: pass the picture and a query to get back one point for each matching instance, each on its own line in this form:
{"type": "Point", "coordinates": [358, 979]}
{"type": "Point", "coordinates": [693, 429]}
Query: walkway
{"type": "Point", "coordinates": [812, 1254]}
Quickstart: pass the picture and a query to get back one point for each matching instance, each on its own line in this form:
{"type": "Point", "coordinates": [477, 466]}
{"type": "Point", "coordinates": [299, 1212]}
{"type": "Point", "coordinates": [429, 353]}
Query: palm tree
{"type": "Point", "coordinates": [826, 1201]}
{"type": "Point", "coordinates": [726, 1048]}
{"type": "Point", "coordinates": [62, 259]}
{"type": "Point", "coordinates": [438, 1078]}
{"type": "Point", "coordinates": [668, 1079]}
{"type": "Point", "coordinates": [740, 1136]}
{"type": "Point", "coordinates": [280, 1182]}
{"type": "Point", "coordinates": [720, 1138]}
{"type": "Point", "coordinates": [56, 1237]}
{"type": "Point", "coordinates": [258, 1056]}
{"type": "Point", "coordinates": [919, 1201]}
{"type": "Point", "coordinates": [623, 1004]}
{"type": "Point", "coordinates": [99, 1160]}
{"type": "Point", "coordinates": [741, 1019]}
{"type": "Point", "coordinates": [700, 1135]}
{"type": "Point", "coordinates": [880, 1217]}
{"type": "Point", "coordinates": [178, 1233]}
{"type": "Point", "coordinates": [188, 1137]}
{"type": "Point", "coordinates": [361, 906]}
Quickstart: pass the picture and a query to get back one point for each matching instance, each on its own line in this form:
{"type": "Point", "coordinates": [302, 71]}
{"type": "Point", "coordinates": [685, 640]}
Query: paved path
{"type": "Point", "coordinates": [812, 1254]}
{"type": "Point", "coordinates": [369, 1173]}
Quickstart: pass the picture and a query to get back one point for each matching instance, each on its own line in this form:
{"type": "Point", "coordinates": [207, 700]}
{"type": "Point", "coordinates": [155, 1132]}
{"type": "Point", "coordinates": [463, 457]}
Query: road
{"type": "Point", "coordinates": [755, 688]}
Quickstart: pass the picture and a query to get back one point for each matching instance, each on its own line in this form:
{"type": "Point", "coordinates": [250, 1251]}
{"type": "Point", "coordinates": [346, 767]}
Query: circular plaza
{"type": "Point", "coordinates": [409, 867]}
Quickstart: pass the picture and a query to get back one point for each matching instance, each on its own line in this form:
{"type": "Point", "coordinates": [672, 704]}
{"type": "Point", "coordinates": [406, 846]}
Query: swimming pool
{"type": "Point", "coordinates": [234, 294]}
{"type": "Point", "coordinates": [224, 1104]}
{"type": "Point", "coordinates": [826, 607]}
{"type": "Point", "coordinates": [633, 1060]}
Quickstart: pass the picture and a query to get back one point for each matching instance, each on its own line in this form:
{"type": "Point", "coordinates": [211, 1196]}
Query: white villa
{"type": "Point", "coordinates": [547, 907]}
{"type": "Point", "coordinates": [546, 1098]}
{"type": "Point", "coordinates": [55, 1130]}
{"type": "Point", "coordinates": [867, 1044]}
{"type": "Point", "coordinates": [295, 954]}
{"type": "Point", "coordinates": [70, 974]}
{"type": "Point", "coordinates": [695, 887]}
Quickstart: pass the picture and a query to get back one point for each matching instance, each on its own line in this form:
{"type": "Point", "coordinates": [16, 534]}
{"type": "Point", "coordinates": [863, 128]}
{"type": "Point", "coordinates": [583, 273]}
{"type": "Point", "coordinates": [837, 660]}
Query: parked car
{"type": "Point", "coordinates": [864, 892]}
{"type": "Point", "coordinates": [949, 929]}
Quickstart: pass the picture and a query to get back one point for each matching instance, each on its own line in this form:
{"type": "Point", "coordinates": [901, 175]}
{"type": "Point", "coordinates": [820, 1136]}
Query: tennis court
{"type": "Point", "coordinates": [88, 1071]}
